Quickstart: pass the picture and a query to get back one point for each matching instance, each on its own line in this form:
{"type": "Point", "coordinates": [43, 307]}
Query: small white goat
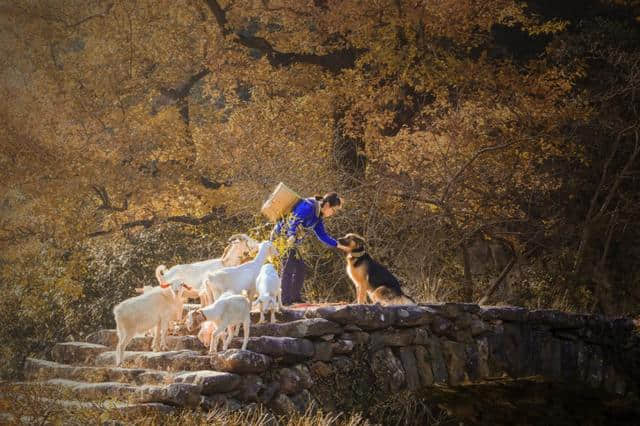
{"type": "Point", "coordinates": [193, 274]}
{"type": "Point", "coordinates": [152, 309]}
{"type": "Point", "coordinates": [269, 290]}
{"type": "Point", "coordinates": [239, 278]}
{"type": "Point", "coordinates": [207, 327]}
{"type": "Point", "coordinates": [226, 312]}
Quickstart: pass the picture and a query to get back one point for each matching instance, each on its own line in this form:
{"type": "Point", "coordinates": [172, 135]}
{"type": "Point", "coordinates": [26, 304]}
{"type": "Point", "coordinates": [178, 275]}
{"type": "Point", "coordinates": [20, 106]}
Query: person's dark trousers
{"type": "Point", "coordinates": [293, 274]}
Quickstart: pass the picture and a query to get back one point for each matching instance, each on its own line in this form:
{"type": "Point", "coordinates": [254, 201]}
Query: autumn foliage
{"type": "Point", "coordinates": [488, 150]}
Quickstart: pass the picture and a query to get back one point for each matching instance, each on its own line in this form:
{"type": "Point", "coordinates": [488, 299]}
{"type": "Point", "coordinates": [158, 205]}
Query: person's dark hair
{"type": "Point", "coordinates": [332, 198]}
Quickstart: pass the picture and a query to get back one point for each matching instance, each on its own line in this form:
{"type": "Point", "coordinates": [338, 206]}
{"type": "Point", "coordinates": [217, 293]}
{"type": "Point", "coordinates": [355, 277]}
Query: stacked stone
{"type": "Point", "coordinates": [406, 347]}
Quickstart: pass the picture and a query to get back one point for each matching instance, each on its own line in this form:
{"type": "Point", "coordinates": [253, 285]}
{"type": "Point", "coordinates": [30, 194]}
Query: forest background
{"type": "Point", "coordinates": [487, 150]}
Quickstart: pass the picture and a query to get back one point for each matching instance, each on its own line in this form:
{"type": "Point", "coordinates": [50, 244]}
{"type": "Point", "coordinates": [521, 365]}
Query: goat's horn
{"type": "Point", "coordinates": [188, 287]}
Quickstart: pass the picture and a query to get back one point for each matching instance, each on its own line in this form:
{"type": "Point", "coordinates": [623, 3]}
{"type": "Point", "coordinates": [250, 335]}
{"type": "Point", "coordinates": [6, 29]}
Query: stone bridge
{"type": "Point", "coordinates": [483, 365]}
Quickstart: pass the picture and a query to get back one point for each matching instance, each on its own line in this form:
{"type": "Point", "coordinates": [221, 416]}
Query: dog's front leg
{"type": "Point", "coordinates": [362, 294]}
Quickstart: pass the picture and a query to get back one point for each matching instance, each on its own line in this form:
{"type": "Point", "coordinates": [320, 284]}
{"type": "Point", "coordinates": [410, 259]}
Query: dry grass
{"type": "Point", "coordinates": [27, 405]}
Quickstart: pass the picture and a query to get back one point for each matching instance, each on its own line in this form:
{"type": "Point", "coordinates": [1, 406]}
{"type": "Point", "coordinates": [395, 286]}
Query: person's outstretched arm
{"type": "Point", "coordinates": [323, 236]}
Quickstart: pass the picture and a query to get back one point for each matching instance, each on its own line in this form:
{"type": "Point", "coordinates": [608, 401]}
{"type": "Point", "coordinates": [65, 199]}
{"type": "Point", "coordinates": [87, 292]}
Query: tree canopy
{"type": "Point", "coordinates": [488, 150]}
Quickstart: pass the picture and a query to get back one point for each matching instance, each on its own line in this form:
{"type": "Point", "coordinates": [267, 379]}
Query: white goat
{"type": "Point", "coordinates": [193, 274]}
{"type": "Point", "coordinates": [269, 291]}
{"type": "Point", "coordinates": [224, 313]}
{"type": "Point", "coordinates": [152, 309]}
{"type": "Point", "coordinates": [207, 327]}
{"type": "Point", "coordinates": [239, 278]}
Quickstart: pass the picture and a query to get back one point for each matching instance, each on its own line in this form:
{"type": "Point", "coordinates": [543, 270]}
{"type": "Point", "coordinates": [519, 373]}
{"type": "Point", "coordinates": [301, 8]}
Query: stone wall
{"type": "Point", "coordinates": [352, 356]}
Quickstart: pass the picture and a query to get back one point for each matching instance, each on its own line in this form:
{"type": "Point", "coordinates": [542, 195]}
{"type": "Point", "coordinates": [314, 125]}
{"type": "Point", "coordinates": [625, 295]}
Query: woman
{"type": "Point", "coordinates": [307, 214]}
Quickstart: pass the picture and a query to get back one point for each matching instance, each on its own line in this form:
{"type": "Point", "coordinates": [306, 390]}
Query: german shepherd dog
{"type": "Point", "coordinates": [370, 277]}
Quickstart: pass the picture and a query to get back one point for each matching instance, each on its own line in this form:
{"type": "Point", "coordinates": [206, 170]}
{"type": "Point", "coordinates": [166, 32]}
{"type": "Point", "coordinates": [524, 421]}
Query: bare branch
{"type": "Point", "coordinates": [334, 61]}
{"type": "Point", "coordinates": [215, 213]}
{"type": "Point", "coordinates": [101, 192]}
{"type": "Point", "coordinates": [475, 156]}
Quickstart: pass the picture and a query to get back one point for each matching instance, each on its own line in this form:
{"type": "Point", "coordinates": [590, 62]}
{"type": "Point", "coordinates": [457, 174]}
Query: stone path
{"type": "Point", "coordinates": [408, 347]}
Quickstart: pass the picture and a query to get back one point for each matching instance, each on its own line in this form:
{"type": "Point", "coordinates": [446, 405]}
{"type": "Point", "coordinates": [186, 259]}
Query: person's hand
{"type": "Point", "coordinates": [291, 240]}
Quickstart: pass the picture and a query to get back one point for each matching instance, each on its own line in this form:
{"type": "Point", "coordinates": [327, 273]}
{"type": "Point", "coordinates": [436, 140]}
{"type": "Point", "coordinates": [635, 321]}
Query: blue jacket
{"type": "Point", "coordinates": [305, 213]}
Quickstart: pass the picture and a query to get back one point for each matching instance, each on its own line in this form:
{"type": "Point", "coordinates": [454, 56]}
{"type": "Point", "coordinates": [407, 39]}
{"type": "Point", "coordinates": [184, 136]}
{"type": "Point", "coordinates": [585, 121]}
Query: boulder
{"type": "Point", "coordinates": [411, 316]}
{"type": "Point", "coordinates": [308, 327]}
{"type": "Point", "coordinates": [210, 381]}
{"type": "Point", "coordinates": [367, 317]}
{"type": "Point", "coordinates": [290, 381]}
{"type": "Point", "coordinates": [409, 364]}
{"type": "Point", "coordinates": [292, 349]}
{"type": "Point", "coordinates": [392, 337]}
{"type": "Point", "coordinates": [387, 370]}
{"type": "Point", "coordinates": [423, 365]}
{"type": "Point", "coordinates": [239, 361]}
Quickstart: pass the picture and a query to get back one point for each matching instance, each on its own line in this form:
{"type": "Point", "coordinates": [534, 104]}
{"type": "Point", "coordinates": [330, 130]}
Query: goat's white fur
{"type": "Point", "coordinates": [193, 274]}
{"type": "Point", "coordinates": [152, 309]}
{"type": "Point", "coordinates": [268, 285]}
{"type": "Point", "coordinates": [224, 313]}
{"type": "Point", "coordinates": [239, 278]}
{"type": "Point", "coordinates": [207, 327]}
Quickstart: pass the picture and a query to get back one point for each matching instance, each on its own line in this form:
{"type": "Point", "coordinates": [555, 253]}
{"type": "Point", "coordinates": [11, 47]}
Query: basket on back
{"type": "Point", "coordinates": [280, 202]}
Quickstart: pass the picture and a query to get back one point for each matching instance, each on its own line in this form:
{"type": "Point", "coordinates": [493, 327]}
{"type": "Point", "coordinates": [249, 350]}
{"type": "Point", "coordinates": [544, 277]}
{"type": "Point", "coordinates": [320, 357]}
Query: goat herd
{"type": "Point", "coordinates": [227, 288]}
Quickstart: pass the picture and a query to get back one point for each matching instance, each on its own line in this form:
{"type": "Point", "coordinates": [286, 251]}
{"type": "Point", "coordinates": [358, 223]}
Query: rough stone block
{"type": "Point", "coordinates": [239, 361]}
{"type": "Point", "coordinates": [210, 381]}
{"type": "Point", "coordinates": [410, 367]}
{"type": "Point", "coordinates": [387, 370]}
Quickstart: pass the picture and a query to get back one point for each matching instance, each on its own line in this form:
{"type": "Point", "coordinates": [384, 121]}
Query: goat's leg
{"type": "Point", "coordinates": [279, 300]}
{"type": "Point", "coordinates": [261, 306]}
{"type": "Point", "coordinates": [155, 343]}
{"type": "Point", "coordinates": [246, 324]}
{"type": "Point", "coordinates": [215, 335]}
{"type": "Point", "coordinates": [164, 326]}
{"type": "Point", "coordinates": [227, 341]}
{"type": "Point", "coordinates": [123, 341]}
{"type": "Point", "coordinates": [273, 311]}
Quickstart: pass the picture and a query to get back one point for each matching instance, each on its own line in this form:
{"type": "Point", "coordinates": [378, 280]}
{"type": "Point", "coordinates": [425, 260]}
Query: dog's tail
{"type": "Point", "coordinates": [392, 296]}
{"type": "Point", "coordinates": [160, 270]}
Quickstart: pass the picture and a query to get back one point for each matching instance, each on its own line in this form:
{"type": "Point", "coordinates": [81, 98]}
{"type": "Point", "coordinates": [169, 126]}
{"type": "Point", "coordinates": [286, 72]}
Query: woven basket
{"type": "Point", "coordinates": [280, 202]}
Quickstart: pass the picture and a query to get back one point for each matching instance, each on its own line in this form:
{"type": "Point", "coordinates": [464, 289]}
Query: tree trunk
{"type": "Point", "coordinates": [467, 292]}
{"type": "Point", "coordinates": [347, 161]}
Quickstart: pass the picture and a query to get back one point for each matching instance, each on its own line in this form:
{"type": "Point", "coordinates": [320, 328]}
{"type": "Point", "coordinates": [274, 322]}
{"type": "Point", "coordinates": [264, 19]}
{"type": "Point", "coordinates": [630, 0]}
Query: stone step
{"type": "Point", "coordinates": [183, 360]}
{"type": "Point", "coordinates": [175, 394]}
{"type": "Point", "coordinates": [41, 370]}
{"type": "Point", "coordinates": [120, 410]}
{"type": "Point", "coordinates": [232, 360]}
{"type": "Point", "coordinates": [288, 349]}
{"type": "Point", "coordinates": [210, 381]}
{"type": "Point", "coordinates": [109, 338]}
{"type": "Point", "coordinates": [77, 352]}
{"type": "Point", "coordinates": [307, 327]}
